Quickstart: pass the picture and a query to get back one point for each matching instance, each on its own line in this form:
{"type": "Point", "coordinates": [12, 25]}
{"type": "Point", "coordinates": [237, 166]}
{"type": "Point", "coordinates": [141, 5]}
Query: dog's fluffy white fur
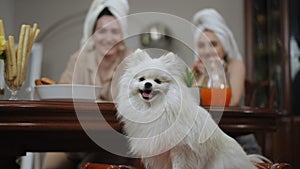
{"type": "Point", "coordinates": [164, 123]}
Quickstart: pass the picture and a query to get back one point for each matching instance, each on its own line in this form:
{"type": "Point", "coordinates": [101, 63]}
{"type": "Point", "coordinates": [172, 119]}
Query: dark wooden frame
{"type": "Point", "coordinates": [285, 147]}
{"type": "Point", "coordinates": [284, 10]}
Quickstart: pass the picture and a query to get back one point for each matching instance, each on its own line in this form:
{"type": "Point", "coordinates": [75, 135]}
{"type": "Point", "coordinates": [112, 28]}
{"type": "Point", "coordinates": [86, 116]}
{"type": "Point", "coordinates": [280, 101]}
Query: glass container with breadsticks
{"type": "Point", "coordinates": [16, 59]}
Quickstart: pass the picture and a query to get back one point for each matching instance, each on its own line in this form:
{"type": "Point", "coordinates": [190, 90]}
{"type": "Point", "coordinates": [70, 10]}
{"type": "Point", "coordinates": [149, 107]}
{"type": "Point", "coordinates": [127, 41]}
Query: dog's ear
{"type": "Point", "coordinates": [137, 57]}
{"type": "Point", "coordinates": [172, 61]}
{"type": "Point", "coordinates": [170, 58]}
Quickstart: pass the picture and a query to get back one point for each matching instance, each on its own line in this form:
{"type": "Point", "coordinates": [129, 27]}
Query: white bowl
{"type": "Point", "coordinates": [68, 92]}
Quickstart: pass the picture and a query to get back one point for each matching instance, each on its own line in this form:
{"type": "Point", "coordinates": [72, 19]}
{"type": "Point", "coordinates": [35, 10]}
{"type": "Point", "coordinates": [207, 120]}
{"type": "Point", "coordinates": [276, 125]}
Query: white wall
{"type": "Point", "coordinates": [231, 10]}
{"type": "Point", "coordinates": [61, 26]}
{"type": "Point", "coordinates": [61, 22]}
{"type": "Point", "coordinates": [7, 14]}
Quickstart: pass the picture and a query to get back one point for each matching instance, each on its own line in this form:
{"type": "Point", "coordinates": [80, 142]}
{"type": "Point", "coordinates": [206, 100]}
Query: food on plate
{"type": "Point", "coordinates": [44, 81]}
{"type": "Point", "coordinates": [38, 82]}
{"type": "Point", "coordinates": [47, 81]}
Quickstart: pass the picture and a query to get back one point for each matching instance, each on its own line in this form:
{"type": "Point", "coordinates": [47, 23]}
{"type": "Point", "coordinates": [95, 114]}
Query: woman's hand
{"type": "Point", "coordinates": [198, 68]}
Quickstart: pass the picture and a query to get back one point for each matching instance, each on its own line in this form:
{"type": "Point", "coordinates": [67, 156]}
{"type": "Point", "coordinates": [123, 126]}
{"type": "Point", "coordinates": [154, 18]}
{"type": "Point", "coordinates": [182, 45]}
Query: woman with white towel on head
{"type": "Point", "coordinates": [102, 51]}
{"type": "Point", "coordinates": [102, 46]}
{"type": "Point", "coordinates": [213, 38]}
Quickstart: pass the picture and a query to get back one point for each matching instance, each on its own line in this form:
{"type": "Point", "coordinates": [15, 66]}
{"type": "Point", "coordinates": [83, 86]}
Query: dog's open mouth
{"type": "Point", "coordinates": [148, 94]}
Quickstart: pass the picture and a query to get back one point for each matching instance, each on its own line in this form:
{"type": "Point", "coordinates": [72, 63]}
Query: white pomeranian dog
{"type": "Point", "coordinates": [165, 125]}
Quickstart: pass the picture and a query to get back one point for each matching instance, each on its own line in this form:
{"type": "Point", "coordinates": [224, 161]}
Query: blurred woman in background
{"type": "Point", "coordinates": [213, 38]}
{"type": "Point", "coordinates": [102, 46]}
{"type": "Point", "coordinates": [102, 50]}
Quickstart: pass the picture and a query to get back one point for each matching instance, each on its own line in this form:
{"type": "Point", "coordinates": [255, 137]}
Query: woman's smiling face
{"type": "Point", "coordinates": [209, 45]}
{"type": "Point", "coordinates": [108, 35]}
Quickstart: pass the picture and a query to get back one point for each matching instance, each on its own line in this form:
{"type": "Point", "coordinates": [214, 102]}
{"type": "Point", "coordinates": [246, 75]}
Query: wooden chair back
{"type": "Point", "coordinates": [252, 88]}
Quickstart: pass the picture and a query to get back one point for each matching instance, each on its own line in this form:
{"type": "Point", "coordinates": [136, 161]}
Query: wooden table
{"type": "Point", "coordinates": [43, 126]}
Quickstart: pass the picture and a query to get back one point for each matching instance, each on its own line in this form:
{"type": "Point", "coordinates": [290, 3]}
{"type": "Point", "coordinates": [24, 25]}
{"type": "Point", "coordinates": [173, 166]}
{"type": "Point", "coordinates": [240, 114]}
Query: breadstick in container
{"type": "Point", "coordinates": [8, 76]}
{"type": "Point", "coordinates": [19, 54]}
{"type": "Point", "coordinates": [11, 57]}
{"type": "Point", "coordinates": [24, 52]}
{"type": "Point", "coordinates": [2, 32]}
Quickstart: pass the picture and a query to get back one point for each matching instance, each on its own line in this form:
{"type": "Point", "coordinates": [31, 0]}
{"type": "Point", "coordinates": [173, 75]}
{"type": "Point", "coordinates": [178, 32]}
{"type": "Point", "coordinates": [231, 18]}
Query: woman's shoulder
{"type": "Point", "coordinates": [78, 55]}
{"type": "Point", "coordinates": [236, 64]}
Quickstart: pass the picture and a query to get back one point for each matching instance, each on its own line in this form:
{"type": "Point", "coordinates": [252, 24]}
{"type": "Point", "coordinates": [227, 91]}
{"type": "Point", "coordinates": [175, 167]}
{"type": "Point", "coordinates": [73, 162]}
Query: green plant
{"type": "Point", "coordinates": [189, 77]}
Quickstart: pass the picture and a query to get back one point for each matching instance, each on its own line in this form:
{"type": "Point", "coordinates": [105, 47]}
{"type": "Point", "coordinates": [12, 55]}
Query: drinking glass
{"type": "Point", "coordinates": [215, 90]}
{"type": "Point", "coordinates": [14, 87]}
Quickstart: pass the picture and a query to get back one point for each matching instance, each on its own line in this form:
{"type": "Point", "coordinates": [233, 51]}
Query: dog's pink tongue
{"type": "Point", "coordinates": [147, 95]}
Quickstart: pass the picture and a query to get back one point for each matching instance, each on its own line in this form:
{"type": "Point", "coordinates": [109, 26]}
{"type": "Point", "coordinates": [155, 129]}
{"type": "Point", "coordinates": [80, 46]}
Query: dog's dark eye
{"type": "Point", "coordinates": [141, 79]}
{"type": "Point", "coordinates": [157, 81]}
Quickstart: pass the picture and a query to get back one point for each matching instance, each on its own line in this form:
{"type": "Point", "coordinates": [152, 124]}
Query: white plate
{"type": "Point", "coordinates": [68, 92]}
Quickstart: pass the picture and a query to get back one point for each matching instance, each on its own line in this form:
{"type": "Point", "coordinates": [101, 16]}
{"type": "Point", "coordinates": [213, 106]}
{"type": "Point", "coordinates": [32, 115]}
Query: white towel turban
{"type": "Point", "coordinates": [119, 8]}
{"type": "Point", "coordinates": [210, 19]}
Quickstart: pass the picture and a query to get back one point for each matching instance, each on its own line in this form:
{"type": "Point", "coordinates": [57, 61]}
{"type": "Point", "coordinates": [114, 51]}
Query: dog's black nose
{"type": "Point", "coordinates": [148, 85]}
